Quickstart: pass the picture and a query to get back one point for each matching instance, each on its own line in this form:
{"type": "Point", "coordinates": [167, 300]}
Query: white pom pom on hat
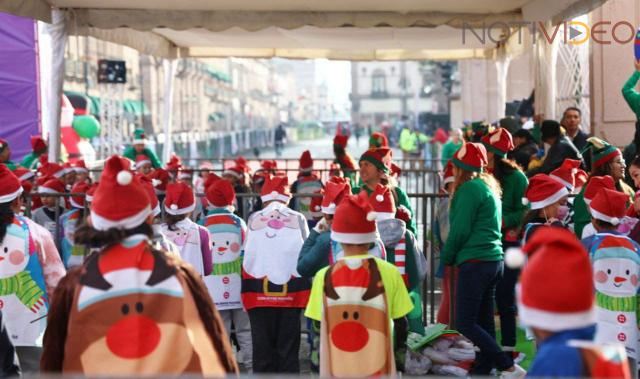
{"type": "Point", "coordinates": [514, 258]}
{"type": "Point", "coordinates": [174, 206]}
{"type": "Point", "coordinates": [371, 216]}
{"type": "Point", "coordinates": [525, 201]}
{"type": "Point", "coordinates": [124, 178]}
{"type": "Point", "coordinates": [615, 221]}
{"type": "Point", "coordinates": [379, 198]}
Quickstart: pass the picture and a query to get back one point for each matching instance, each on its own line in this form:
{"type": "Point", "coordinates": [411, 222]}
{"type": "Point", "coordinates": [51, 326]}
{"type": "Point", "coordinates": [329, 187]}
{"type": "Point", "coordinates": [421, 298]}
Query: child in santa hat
{"type": "Point", "coordinates": [227, 232]}
{"type": "Point", "coordinates": [192, 239]}
{"type": "Point", "coordinates": [547, 201]}
{"type": "Point", "coordinates": [356, 300]}
{"type": "Point", "coordinates": [474, 246]}
{"type": "Point", "coordinates": [272, 290]}
{"type": "Point", "coordinates": [50, 192]}
{"type": "Point", "coordinates": [39, 148]}
{"type": "Point", "coordinates": [82, 173]}
{"type": "Point", "coordinates": [139, 147]}
{"type": "Point", "coordinates": [143, 164]}
{"type": "Point", "coordinates": [131, 309]}
{"type": "Point", "coordinates": [316, 249]}
{"type": "Point", "coordinates": [237, 176]}
{"type": "Point", "coordinates": [30, 269]}
{"type": "Point", "coordinates": [593, 187]}
{"type": "Point", "coordinates": [72, 254]}
{"type": "Point", "coordinates": [559, 308]}
{"type": "Point", "coordinates": [307, 183]}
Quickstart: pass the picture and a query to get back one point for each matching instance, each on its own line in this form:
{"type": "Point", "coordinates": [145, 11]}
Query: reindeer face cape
{"type": "Point", "coordinates": [355, 327]}
{"type": "Point", "coordinates": [133, 314]}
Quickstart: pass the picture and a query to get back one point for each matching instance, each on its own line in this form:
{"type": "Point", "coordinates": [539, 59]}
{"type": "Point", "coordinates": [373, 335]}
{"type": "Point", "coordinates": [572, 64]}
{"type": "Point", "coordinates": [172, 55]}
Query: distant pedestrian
{"type": "Point", "coordinates": [280, 138]}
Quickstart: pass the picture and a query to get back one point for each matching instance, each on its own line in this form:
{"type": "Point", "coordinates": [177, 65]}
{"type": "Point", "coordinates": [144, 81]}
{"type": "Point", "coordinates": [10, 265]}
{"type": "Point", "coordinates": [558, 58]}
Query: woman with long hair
{"type": "Point", "coordinates": [513, 183]}
{"type": "Point", "coordinates": [30, 268]}
{"type": "Point", "coordinates": [374, 170]}
{"type": "Point", "coordinates": [474, 246]}
{"type": "Point", "coordinates": [131, 309]}
{"type": "Point", "coordinates": [606, 160]}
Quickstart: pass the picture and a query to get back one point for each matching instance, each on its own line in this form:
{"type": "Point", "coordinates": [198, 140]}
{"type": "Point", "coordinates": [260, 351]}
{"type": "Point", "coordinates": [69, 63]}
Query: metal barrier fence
{"type": "Point", "coordinates": [424, 205]}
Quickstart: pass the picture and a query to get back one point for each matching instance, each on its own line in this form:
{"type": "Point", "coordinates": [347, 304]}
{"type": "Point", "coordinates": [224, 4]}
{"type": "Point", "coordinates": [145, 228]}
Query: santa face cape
{"type": "Point", "coordinates": [274, 239]}
{"type": "Point", "coordinates": [134, 314]}
{"type": "Point", "coordinates": [355, 330]}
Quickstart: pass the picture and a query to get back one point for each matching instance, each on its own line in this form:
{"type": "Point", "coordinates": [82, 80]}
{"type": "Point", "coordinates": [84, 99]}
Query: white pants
{"type": "Point", "coordinates": [242, 326]}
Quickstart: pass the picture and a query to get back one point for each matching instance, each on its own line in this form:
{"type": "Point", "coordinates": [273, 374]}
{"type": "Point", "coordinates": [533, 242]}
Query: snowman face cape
{"type": "Point", "coordinates": [134, 314]}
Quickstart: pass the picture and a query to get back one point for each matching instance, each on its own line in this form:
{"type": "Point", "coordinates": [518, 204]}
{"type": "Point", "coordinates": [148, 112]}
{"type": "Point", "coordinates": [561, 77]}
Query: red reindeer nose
{"type": "Point", "coordinates": [275, 224]}
{"type": "Point", "coordinates": [619, 279]}
{"type": "Point", "coordinates": [133, 337]}
{"type": "Point", "coordinates": [350, 336]}
{"type": "Point", "coordinates": [222, 248]}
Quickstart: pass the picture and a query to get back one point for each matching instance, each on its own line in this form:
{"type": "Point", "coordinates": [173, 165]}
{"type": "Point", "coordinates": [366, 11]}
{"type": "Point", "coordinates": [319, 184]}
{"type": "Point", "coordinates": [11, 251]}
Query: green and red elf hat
{"type": "Point", "coordinates": [378, 139]}
{"type": "Point", "coordinates": [602, 151]}
{"type": "Point", "coordinates": [379, 157]}
{"type": "Point", "coordinates": [471, 157]}
{"type": "Point", "coordinates": [498, 142]}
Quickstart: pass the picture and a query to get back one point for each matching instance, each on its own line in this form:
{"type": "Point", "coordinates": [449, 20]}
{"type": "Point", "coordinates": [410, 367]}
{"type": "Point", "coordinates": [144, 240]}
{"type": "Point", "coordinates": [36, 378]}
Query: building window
{"type": "Point", "coordinates": [378, 83]}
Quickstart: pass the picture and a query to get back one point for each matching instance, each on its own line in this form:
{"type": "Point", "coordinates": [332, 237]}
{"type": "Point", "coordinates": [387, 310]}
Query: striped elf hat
{"type": "Point", "coordinates": [471, 157]}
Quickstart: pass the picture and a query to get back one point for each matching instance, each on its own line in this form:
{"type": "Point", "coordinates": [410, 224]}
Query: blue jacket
{"type": "Point", "coordinates": [314, 254]}
{"type": "Point", "coordinates": [555, 358]}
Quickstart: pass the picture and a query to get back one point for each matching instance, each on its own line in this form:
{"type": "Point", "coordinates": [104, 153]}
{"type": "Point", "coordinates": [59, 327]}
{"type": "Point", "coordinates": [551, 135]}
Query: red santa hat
{"type": "Point", "coordinates": [354, 221]}
{"type": "Point", "coordinates": [351, 281]}
{"type": "Point", "coordinates": [10, 187]}
{"type": "Point", "coordinates": [596, 184]}
{"type": "Point", "coordinates": [566, 173]}
{"type": "Point", "coordinates": [335, 191]}
{"type": "Point", "coordinates": [212, 178]}
{"type": "Point", "coordinates": [581, 179]}
{"type": "Point", "coordinates": [306, 162]}
{"type": "Point", "coordinates": [27, 186]}
{"type": "Point", "coordinates": [52, 186]}
{"type": "Point", "coordinates": [498, 142]}
{"type": "Point", "coordinates": [68, 168]}
{"type": "Point", "coordinates": [80, 166]}
{"type": "Point", "coordinates": [220, 193]}
{"type": "Point", "coordinates": [159, 180]}
{"type": "Point", "coordinates": [23, 173]}
{"type": "Point", "coordinates": [269, 165]}
{"type": "Point", "coordinates": [548, 298]}
{"type": "Point", "coordinates": [315, 205]}
{"type": "Point", "coordinates": [179, 199]}
{"type": "Point", "coordinates": [447, 175]}
{"type": "Point", "coordinates": [51, 169]}
{"type": "Point", "coordinates": [38, 143]}
{"type": "Point", "coordinates": [609, 206]}
{"type": "Point", "coordinates": [185, 174]}
{"type": "Point", "coordinates": [275, 188]}
{"type": "Point", "coordinates": [79, 190]}
{"type": "Point", "coordinates": [341, 140]}
{"type": "Point", "coordinates": [471, 157]}
{"type": "Point", "coordinates": [120, 201]}
{"type": "Point", "coordinates": [235, 171]}
{"type": "Point", "coordinates": [142, 160]}
{"type": "Point", "coordinates": [543, 191]}
{"type": "Point", "coordinates": [394, 169]}
{"type": "Point", "coordinates": [382, 202]}
{"type": "Point", "coordinates": [174, 163]}
{"type": "Point", "coordinates": [91, 191]}
{"type": "Point", "coordinates": [154, 203]}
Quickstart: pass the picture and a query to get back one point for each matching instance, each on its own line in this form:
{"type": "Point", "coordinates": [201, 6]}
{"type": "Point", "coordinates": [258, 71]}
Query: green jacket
{"type": "Point", "coordinates": [581, 215]}
{"type": "Point", "coordinates": [130, 153]}
{"type": "Point", "coordinates": [30, 161]}
{"type": "Point", "coordinates": [513, 188]}
{"type": "Point", "coordinates": [10, 165]}
{"type": "Point", "coordinates": [403, 199]}
{"type": "Point", "coordinates": [474, 220]}
{"type": "Point", "coordinates": [631, 95]}
{"type": "Point", "coordinates": [314, 254]}
{"type": "Point", "coordinates": [448, 150]}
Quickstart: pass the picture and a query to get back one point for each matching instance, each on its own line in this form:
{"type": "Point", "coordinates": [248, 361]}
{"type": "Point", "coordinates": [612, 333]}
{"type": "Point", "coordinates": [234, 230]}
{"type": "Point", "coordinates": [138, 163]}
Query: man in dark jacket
{"type": "Point", "coordinates": [557, 147]}
{"type": "Point", "coordinates": [8, 359]}
{"type": "Point", "coordinates": [525, 148]}
{"type": "Point", "coordinates": [571, 120]}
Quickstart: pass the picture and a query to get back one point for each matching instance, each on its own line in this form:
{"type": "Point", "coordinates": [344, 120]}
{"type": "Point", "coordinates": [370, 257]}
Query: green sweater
{"type": "Point", "coordinates": [474, 220]}
{"type": "Point", "coordinates": [30, 161]}
{"type": "Point", "coordinates": [130, 153]}
{"type": "Point", "coordinates": [513, 187]}
{"type": "Point", "coordinates": [403, 199]}
{"type": "Point", "coordinates": [631, 95]}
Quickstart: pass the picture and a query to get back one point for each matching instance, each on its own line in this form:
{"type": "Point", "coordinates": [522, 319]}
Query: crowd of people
{"type": "Point", "coordinates": [151, 269]}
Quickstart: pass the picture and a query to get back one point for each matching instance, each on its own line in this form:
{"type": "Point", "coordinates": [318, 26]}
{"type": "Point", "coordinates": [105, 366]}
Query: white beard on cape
{"type": "Point", "coordinates": [275, 258]}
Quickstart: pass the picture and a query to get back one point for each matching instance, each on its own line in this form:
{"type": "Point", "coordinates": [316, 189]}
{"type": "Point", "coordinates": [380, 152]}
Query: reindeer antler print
{"type": "Point", "coordinates": [329, 289]}
{"type": "Point", "coordinates": [375, 287]}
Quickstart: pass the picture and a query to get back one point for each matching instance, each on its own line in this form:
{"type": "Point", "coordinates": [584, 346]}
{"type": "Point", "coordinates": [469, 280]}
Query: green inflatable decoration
{"type": "Point", "coordinates": [86, 126]}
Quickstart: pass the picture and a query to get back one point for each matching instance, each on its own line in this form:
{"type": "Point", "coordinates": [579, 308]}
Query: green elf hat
{"type": "Point", "coordinates": [498, 142]}
{"type": "Point", "coordinates": [378, 139]}
{"type": "Point", "coordinates": [602, 151]}
{"type": "Point", "coordinates": [471, 157]}
{"type": "Point", "coordinates": [139, 137]}
{"type": "Point", "coordinates": [379, 157]}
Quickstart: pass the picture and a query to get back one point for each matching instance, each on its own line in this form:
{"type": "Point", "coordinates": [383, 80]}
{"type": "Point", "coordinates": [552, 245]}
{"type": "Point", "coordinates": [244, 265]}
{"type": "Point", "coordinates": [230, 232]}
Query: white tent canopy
{"type": "Point", "coordinates": [334, 29]}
